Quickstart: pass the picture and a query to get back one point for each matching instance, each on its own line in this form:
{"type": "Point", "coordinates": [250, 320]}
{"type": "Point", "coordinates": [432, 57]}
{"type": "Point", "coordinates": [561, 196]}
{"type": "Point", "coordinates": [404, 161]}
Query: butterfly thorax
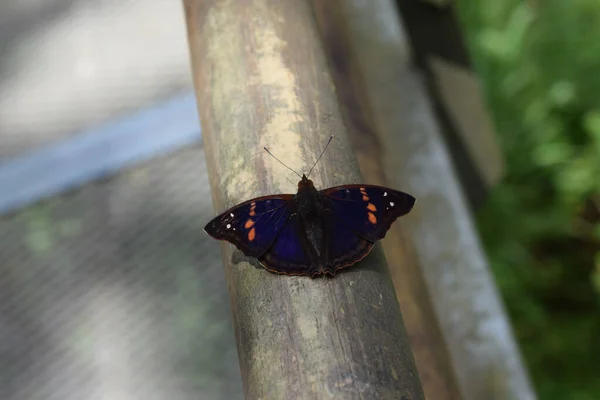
{"type": "Point", "coordinates": [307, 200]}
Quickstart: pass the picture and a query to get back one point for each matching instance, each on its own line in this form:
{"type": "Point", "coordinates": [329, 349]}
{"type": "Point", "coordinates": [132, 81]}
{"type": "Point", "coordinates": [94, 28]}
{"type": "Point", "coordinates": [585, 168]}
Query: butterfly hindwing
{"type": "Point", "coordinates": [367, 210]}
{"type": "Point", "coordinates": [253, 225]}
{"type": "Point", "coordinates": [288, 253]}
{"type": "Point", "coordinates": [344, 246]}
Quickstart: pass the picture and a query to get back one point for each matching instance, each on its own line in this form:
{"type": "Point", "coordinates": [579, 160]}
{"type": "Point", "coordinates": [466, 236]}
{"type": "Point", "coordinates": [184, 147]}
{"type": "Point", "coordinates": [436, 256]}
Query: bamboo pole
{"type": "Point", "coordinates": [261, 79]}
{"type": "Point", "coordinates": [473, 321]}
{"type": "Point", "coordinates": [426, 340]}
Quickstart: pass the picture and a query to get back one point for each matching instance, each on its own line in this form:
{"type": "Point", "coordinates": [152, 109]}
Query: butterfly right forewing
{"type": "Point", "coordinates": [357, 217]}
{"type": "Point", "coordinates": [367, 210]}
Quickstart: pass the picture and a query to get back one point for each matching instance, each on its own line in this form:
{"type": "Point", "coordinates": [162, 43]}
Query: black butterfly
{"type": "Point", "coordinates": [312, 232]}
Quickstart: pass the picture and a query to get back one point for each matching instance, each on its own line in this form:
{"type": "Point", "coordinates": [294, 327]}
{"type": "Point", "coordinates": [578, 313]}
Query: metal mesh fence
{"type": "Point", "coordinates": [68, 65]}
{"type": "Point", "coordinates": [113, 291]}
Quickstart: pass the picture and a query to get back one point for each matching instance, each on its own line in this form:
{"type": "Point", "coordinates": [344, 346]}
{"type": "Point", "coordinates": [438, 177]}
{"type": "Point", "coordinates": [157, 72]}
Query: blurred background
{"type": "Point", "coordinates": [109, 288]}
{"type": "Point", "coordinates": [539, 62]}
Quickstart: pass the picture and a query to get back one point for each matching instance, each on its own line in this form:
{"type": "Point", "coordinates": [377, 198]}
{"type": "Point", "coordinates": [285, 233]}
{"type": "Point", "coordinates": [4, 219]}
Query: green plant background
{"type": "Point", "coordinates": [539, 62]}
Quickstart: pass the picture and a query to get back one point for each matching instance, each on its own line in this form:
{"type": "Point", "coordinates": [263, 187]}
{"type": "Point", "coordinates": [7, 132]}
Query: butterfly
{"type": "Point", "coordinates": [313, 232]}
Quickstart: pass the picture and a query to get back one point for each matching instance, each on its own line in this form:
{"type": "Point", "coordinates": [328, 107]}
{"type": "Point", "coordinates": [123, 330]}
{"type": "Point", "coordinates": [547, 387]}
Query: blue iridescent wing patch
{"type": "Point", "coordinates": [289, 253]}
{"type": "Point", "coordinates": [344, 247]}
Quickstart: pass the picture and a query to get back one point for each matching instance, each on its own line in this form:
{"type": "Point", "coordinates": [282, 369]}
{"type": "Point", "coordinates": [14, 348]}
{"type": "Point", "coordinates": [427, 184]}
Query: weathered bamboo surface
{"type": "Point", "coordinates": [471, 315]}
{"type": "Point", "coordinates": [426, 340]}
{"type": "Point", "coordinates": [262, 80]}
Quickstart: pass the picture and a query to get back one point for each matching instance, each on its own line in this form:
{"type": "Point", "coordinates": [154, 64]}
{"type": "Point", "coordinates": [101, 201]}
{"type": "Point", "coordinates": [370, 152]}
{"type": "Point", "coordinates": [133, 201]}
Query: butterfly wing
{"type": "Point", "coordinates": [290, 253]}
{"type": "Point", "coordinates": [343, 246]}
{"type": "Point", "coordinates": [360, 215]}
{"type": "Point", "coordinates": [252, 226]}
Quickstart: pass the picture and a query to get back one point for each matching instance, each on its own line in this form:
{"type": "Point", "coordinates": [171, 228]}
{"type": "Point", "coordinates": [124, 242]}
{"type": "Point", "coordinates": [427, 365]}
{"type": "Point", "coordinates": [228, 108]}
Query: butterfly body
{"type": "Point", "coordinates": [312, 232]}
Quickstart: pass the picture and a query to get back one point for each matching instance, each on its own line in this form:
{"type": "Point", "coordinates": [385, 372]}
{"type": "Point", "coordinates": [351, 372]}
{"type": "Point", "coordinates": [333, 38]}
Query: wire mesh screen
{"type": "Point", "coordinates": [114, 291]}
{"type": "Point", "coordinates": [67, 65]}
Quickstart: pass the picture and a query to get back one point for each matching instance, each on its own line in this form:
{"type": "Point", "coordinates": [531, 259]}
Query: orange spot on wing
{"type": "Point", "coordinates": [365, 197]}
{"type": "Point", "coordinates": [248, 224]}
{"type": "Point", "coordinates": [372, 219]}
{"type": "Point", "coordinates": [371, 207]}
{"type": "Point", "coordinates": [252, 234]}
{"type": "Point", "coordinates": [252, 213]}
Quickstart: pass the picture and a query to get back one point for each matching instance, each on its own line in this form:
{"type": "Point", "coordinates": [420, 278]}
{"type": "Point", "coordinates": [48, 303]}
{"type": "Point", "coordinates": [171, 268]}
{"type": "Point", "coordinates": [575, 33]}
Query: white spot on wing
{"type": "Point", "coordinates": [228, 226]}
{"type": "Point", "coordinates": [384, 194]}
{"type": "Point", "coordinates": [231, 214]}
{"type": "Point", "coordinates": [392, 203]}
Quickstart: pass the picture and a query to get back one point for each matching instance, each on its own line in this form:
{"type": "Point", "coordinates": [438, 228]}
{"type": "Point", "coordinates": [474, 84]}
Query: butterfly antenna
{"type": "Point", "coordinates": [281, 162]}
{"type": "Point", "coordinates": [330, 139]}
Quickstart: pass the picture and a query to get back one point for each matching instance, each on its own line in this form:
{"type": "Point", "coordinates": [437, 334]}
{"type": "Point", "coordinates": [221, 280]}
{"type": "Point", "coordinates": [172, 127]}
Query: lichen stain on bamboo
{"type": "Point", "coordinates": [222, 49]}
{"type": "Point", "coordinates": [307, 325]}
{"type": "Point", "coordinates": [262, 361]}
{"type": "Point", "coordinates": [394, 373]}
{"type": "Point", "coordinates": [346, 383]}
{"type": "Point", "coordinates": [252, 283]}
{"type": "Point", "coordinates": [278, 86]}
{"type": "Point", "coordinates": [230, 106]}
{"type": "Point", "coordinates": [238, 179]}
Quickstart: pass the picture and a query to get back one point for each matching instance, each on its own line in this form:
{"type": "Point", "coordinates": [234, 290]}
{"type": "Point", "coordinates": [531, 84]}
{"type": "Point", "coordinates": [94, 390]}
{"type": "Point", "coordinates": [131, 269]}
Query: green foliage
{"type": "Point", "coordinates": [539, 62]}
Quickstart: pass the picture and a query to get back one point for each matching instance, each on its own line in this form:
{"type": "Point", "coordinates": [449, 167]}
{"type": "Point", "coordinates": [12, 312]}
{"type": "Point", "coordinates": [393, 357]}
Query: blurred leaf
{"type": "Point", "coordinates": [495, 44]}
{"type": "Point", "coordinates": [591, 123]}
{"type": "Point", "coordinates": [596, 274]}
{"type": "Point", "coordinates": [576, 180]}
{"type": "Point", "coordinates": [562, 93]}
{"type": "Point", "coordinates": [518, 23]}
{"type": "Point", "coordinates": [552, 153]}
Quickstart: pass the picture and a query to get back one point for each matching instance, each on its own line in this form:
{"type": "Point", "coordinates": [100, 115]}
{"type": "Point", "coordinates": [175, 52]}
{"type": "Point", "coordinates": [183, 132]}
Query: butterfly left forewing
{"type": "Point", "coordinates": [367, 210]}
{"type": "Point", "coordinates": [252, 226]}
